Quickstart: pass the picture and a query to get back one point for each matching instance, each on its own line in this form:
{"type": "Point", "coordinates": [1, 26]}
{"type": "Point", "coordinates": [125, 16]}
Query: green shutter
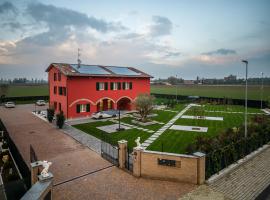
{"type": "Point", "coordinates": [78, 108]}
{"type": "Point", "coordinates": [111, 85]}
{"type": "Point", "coordinates": [106, 85]}
{"type": "Point", "coordinates": [97, 86]}
{"type": "Point", "coordinates": [119, 86]}
{"type": "Point", "coordinates": [124, 85]}
{"type": "Point", "coordinates": [130, 85]}
{"type": "Point", "coordinates": [88, 107]}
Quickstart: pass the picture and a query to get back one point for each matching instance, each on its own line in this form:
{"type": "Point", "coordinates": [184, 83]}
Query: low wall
{"type": "Point", "coordinates": [174, 167]}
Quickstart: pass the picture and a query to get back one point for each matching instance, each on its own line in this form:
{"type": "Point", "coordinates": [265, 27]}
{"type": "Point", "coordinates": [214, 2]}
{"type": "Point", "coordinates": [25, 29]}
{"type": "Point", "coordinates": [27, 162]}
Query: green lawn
{"type": "Point", "coordinates": [27, 90]}
{"type": "Point", "coordinates": [129, 135]}
{"type": "Point", "coordinates": [175, 141]}
{"type": "Point", "coordinates": [234, 92]}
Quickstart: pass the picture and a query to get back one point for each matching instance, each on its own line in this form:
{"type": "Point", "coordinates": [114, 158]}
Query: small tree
{"type": "Point", "coordinates": [144, 105]}
{"type": "Point", "coordinates": [60, 119]}
{"type": "Point", "coordinates": [50, 114]}
{"type": "Point", "coordinates": [3, 91]}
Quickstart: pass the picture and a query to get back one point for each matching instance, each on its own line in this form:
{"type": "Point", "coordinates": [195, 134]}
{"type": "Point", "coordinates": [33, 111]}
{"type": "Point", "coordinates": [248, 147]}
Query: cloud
{"type": "Point", "coordinates": [7, 7]}
{"type": "Point", "coordinates": [60, 17]}
{"type": "Point", "coordinates": [162, 26]}
{"type": "Point", "coordinates": [220, 52]}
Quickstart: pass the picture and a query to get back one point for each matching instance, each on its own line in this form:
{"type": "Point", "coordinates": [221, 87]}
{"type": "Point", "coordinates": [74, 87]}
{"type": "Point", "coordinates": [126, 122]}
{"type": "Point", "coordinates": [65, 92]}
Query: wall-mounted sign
{"type": "Point", "coordinates": [170, 163]}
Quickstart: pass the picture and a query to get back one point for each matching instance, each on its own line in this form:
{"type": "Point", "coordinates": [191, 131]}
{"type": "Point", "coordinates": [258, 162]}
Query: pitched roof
{"type": "Point", "coordinates": [97, 70]}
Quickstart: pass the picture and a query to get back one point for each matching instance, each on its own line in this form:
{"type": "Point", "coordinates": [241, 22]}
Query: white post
{"type": "Point", "coordinates": [262, 92]}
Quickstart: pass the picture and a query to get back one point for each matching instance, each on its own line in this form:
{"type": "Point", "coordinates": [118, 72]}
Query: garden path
{"type": "Point", "coordinates": [152, 138]}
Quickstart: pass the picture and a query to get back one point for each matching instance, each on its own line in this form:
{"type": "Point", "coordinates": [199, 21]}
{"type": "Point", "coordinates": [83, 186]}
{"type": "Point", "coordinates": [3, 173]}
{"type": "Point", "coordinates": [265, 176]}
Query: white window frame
{"type": "Point", "coordinates": [82, 108]}
{"type": "Point", "coordinates": [126, 85]}
{"type": "Point", "coordinates": [101, 86]}
{"type": "Point", "coordinates": [115, 86]}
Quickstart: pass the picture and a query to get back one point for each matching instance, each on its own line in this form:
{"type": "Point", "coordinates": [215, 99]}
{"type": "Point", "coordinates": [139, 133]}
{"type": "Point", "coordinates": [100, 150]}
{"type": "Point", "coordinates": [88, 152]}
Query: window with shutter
{"type": "Point", "coordinates": [78, 108]}
{"type": "Point", "coordinates": [119, 86]}
{"type": "Point", "coordinates": [124, 85]}
{"type": "Point", "coordinates": [106, 85]}
{"type": "Point", "coordinates": [111, 85]}
{"type": "Point", "coordinates": [97, 86]}
{"type": "Point", "coordinates": [130, 85]}
{"type": "Point", "coordinates": [88, 107]}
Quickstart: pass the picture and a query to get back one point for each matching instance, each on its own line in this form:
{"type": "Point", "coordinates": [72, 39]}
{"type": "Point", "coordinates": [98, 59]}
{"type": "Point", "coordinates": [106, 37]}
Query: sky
{"type": "Point", "coordinates": [183, 38]}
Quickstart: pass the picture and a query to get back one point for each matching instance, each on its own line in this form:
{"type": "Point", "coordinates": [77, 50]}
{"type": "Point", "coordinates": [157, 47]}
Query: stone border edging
{"type": "Point", "coordinates": [235, 165]}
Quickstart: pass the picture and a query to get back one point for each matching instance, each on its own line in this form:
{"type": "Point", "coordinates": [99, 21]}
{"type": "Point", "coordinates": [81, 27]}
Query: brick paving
{"type": "Point", "coordinates": [248, 180]}
{"type": "Point", "coordinates": [71, 159]}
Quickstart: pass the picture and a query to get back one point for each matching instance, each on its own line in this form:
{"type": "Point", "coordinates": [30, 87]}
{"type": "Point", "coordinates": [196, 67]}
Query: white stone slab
{"type": "Point", "coordinates": [202, 117]}
{"type": "Point", "coordinates": [112, 128]}
{"type": "Point", "coordinates": [189, 128]}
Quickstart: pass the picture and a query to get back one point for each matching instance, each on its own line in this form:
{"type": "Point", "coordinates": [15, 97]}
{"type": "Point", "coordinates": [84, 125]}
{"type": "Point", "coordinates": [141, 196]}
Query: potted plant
{"type": "Point", "coordinates": [60, 119]}
{"type": "Point", "coordinates": [50, 114]}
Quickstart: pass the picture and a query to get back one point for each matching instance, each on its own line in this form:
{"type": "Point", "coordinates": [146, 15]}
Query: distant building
{"type": "Point", "coordinates": [79, 91]}
{"type": "Point", "coordinates": [188, 82]}
{"type": "Point", "coordinates": [230, 78]}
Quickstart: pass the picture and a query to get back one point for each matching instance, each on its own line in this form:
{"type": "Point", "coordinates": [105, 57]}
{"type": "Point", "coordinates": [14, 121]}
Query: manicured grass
{"type": "Point", "coordinates": [129, 135]}
{"type": "Point", "coordinates": [27, 90]}
{"type": "Point", "coordinates": [153, 127]}
{"type": "Point", "coordinates": [175, 141]}
{"type": "Point", "coordinates": [234, 92]}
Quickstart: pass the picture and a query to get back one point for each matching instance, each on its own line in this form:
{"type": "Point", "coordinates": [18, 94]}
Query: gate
{"type": "Point", "coordinates": [129, 160]}
{"type": "Point", "coordinates": [110, 153]}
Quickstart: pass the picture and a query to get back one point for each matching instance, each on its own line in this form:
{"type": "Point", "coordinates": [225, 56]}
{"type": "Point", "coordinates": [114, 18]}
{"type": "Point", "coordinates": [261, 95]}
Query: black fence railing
{"type": "Point", "coordinates": [19, 187]}
{"type": "Point", "coordinates": [251, 103]}
{"type": "Point", "coordinates": [26, 98]}
{"type": "Point", "coordinates": [129, 160]}
{"type": "Point", "coordinates": [223, 157]}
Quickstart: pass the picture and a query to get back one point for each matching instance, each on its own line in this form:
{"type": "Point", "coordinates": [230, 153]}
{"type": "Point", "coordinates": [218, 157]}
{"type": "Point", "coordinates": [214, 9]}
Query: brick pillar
{"type": "Point", "coordinates": [200, 167]}
{"type": "Point", "coordinates": [36, 167]}
{"type": "Point", "coordinates": [122, 144]}
{"type": "Point", "coordinates": [137, 151]}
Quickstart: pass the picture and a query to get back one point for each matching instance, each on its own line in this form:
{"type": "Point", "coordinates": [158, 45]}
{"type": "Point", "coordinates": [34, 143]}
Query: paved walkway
{"type": "Point", "coordinates": [133, 126]}
{"type": "Point", "coordinates": [71, 159]}
{"type": "Point", "coordinates": [248, 180]}
{"type": "Point", "coordinates": [232, 112]}
{"type": "Point", "coordinates": [151, 139]}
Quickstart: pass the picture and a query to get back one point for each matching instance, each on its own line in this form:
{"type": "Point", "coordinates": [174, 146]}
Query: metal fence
{"type": "Point", "coordinates": [129, 160]}
{"type": "Point", "coordinates": [15, 189]}
{"type": "Point", "coordinates": [110, 152]}
{"type": "Point", "coordinates": [223, 157]}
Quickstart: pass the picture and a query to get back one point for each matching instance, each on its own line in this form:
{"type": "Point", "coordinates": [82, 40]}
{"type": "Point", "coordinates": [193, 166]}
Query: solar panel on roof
{"type": "Point", "coordinates": [90, 69]}
{"type": "Point", "coordinates": [122, 71]}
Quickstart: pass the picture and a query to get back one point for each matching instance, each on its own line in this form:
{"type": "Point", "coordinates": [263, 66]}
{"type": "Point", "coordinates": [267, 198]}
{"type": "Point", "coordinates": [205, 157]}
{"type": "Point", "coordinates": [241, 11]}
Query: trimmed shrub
{"type": "Point", "coordinates": [50, 114]}
{"type": "Point", "coordinates": [60, 119]}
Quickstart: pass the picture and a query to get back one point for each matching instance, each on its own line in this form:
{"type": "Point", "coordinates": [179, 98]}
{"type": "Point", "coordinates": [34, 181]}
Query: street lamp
{"type": "Point", "coordinates": [262, 92]}
{"type": "Point", "coordinates": [246, 62]}
{"type": "Point", "coordinates": [176, 88]}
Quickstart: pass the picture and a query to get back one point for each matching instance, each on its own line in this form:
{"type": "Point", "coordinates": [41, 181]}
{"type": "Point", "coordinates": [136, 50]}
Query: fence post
{"type": "Point", "coordinates": [36, 167]}
{"type": "Point", "coordinates": [122, 144]}
{"type": "Point", "coordinates": [137, 161]}
{"type": "Point", "coordinates": [200, 167]}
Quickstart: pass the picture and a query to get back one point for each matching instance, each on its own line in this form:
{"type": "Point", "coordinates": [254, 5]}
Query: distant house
{"type": "Point", "coordinates": [230, 78]}
{"type": "Point", "coordinates": [188, 82]}
{"type": "Point", "coordinates": [79, 91]}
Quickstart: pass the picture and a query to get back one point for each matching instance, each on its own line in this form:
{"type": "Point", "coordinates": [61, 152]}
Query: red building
{"type": "Point", "coordinates": [80, 91]}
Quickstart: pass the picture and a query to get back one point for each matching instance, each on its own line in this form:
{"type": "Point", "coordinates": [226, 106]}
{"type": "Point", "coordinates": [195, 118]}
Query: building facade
{"type": "Point", "coordinates": [81, 90]}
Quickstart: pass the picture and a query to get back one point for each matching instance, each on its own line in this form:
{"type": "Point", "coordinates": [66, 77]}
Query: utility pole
{"type": "Point", "coordinates": [246, 62]}
{"type": "Point", "coordinates": [262, 92]}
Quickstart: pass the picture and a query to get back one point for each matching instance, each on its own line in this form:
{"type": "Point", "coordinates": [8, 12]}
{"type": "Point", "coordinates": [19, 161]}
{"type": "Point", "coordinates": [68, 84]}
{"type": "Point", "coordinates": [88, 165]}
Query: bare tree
{"type": "Point", "coordinates": [144, 105]}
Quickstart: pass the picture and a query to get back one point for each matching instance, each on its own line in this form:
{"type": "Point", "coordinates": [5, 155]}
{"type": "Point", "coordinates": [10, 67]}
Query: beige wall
{"type": "Point", "coordinates": [188, 167]}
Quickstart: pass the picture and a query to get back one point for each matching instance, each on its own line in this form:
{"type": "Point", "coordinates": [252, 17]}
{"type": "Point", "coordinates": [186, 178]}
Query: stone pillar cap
{"type": "Point", "coordinates": [199, 154]}
{"type": "Point", "coordinates": [138, 148]}
{"type": "Point", "coordinates": [122, 141]}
